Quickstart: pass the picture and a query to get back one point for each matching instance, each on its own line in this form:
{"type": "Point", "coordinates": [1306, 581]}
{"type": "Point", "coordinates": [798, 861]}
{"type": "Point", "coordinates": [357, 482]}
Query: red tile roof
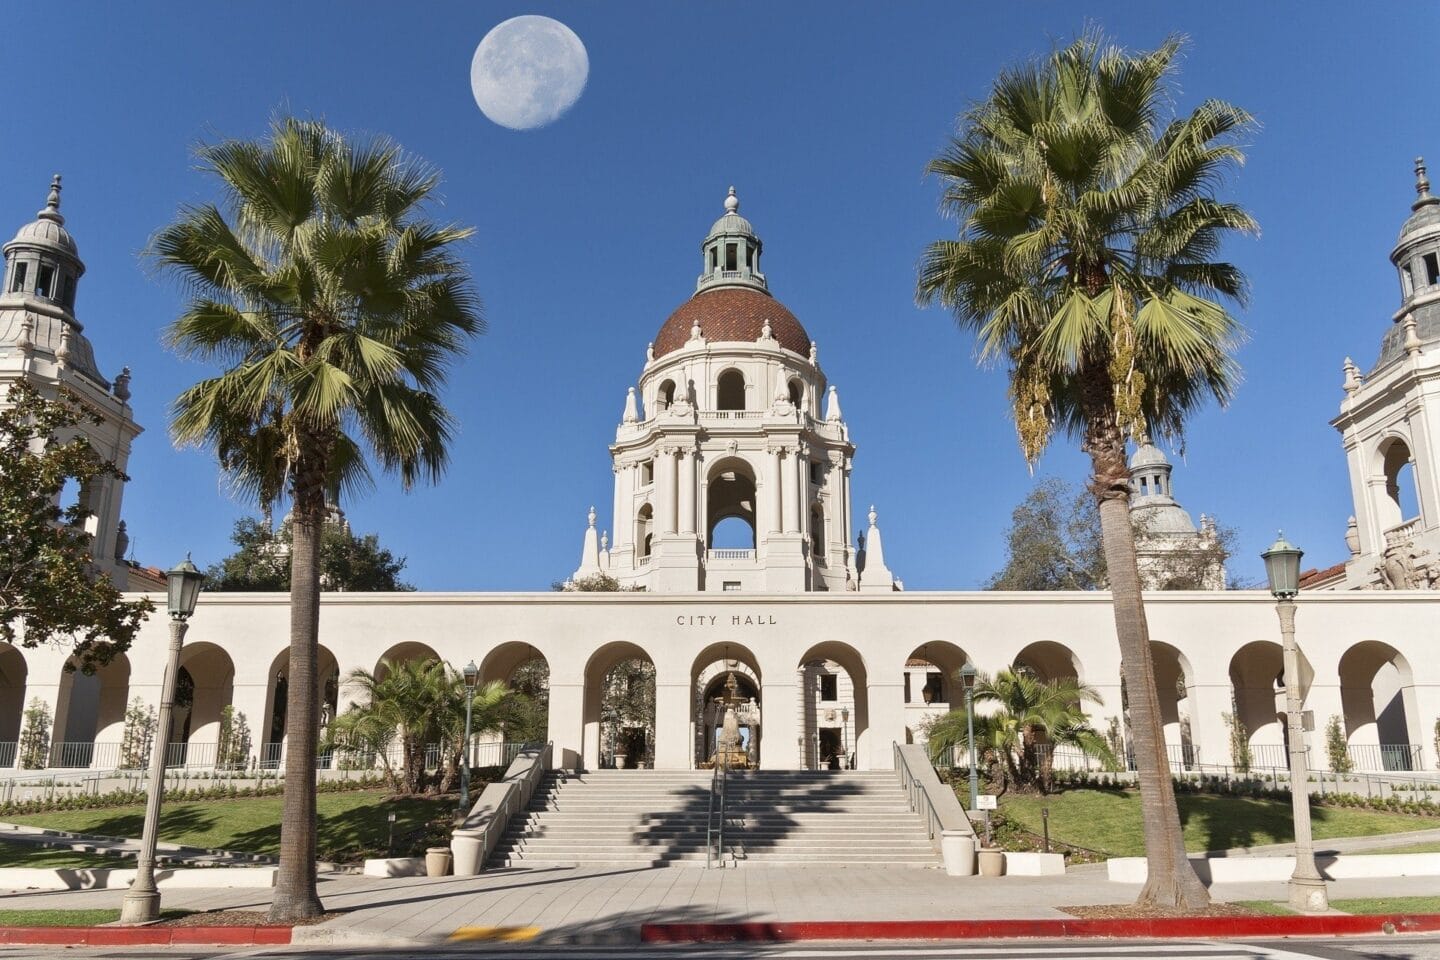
{"type": "Point", "coordinates": [734, 314]}
{"type": "Point", "coordinates": [1313, 576]}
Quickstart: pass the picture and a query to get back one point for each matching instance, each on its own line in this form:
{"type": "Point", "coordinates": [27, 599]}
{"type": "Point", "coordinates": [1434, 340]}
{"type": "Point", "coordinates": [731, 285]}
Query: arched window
{"type": "Point", "coordinates": [797, 392]}
{"type": "Point", "coordinates": [666, 395]}
{"type": "Point", "coordinates": [730, 391]}
{"type": "Point", "coordinates": [1401, 501]}
{"type": "Point", "coordinates": [644, 521]}
{"type": "Point", "coordinates": [817, 532]}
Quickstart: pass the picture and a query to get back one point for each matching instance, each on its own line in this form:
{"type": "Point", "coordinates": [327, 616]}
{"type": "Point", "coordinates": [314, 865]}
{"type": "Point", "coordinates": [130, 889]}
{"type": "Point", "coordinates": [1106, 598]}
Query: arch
{"type": "Point", "coordinates": [1257, 689]}
{"type": "Point", "coordinates": [619, 711]}
{"type": "Point", "coordinates": [13, 674]}
{"type": "Point", "coordinates": [1377, 694]}
{"type": "Point", "coordinates": [932, 677]}
{"type": "Point", "coordinates": [1174, 682]}
{"type": "Point", "coordinates": [404, 651]}
{"type": "Point", "coordinates": [212, 687]}
{"type": "Point", "coordinates": [272, 730]}
{"type": "Point", "coordinates": [730, 493]}
{"type": "Point", "coordinates": [708, 674]}
{"type": "Point", "coordinates": [665, 395]}
{"type": "Point", "coordinates": [730, 390]}
{"type": "Point", "coordinates": [836, 712]}
{"type": "Point", "coordinates": [527, 671]}
{"type": "Point", "coordinates": [1400, 502]}
{"type": "Point", "coordinates": [90, 715]}
{"type": "Point", "coordinates": [796, 391]}
{"type": "Point", "coordinates": [1049, 661]}
{"type": "Point", "coordinates": [644, 530]}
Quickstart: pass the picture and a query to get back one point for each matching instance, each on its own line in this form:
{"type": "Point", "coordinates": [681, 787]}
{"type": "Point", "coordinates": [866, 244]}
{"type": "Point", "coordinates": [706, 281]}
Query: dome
{"type": "Point", "coordinates": [732, 314]}
{"type": "Point", "coordinates": [731, 224]}
{"type": "Point", "coordinates": [1163, 518]}
{"type": "Point", "coordinates": [1148, 455]}
{"type": "Point", "coordinates": [47, 230]}
{"type": "Point", "coordinates": [1425, 219]}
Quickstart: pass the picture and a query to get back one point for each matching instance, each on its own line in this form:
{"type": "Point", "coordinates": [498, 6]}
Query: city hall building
{"type": "Point", "coordinates": [734, 538]}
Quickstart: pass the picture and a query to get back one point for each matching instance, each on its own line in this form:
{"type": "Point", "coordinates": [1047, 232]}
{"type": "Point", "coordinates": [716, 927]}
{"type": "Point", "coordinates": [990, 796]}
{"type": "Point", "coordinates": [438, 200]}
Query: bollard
{"type": "Point", "coordinates": [1045, 825]}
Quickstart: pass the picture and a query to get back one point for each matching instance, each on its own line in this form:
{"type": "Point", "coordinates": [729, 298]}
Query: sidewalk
{"type": "Point", "coordinates": [608, 905]}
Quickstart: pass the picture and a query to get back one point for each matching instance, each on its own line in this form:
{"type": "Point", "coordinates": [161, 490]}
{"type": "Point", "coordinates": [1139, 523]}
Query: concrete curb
{"type": "Point", "coordinates": [145, 936]}
{"type": "Point", "coordinates": [1153, 928]}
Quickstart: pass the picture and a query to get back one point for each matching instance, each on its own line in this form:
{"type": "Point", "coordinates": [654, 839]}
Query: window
{"type": "Point", "coordinates": [714, 258]}
{"type": "Point", "coordinates": [67, 291]}
{"type": "Point", "coordinates": [1432, 269]}
{"type": "Point", "coordinates": [730, 391]}
{"type": "Point", "coordinates": [667, 394]}
{"type": "Point", "coordinates": [18, 284]}
{"type": "Point", "coordinates": [730, 257]}
{"type": "Point", "coordinates": [749, 257]}
{"type": "Point", "coordinates": [817, 472]}
{"type": "Point", "coordinates": [1407, 281]}
{"type": "Point", "coordinates": [45, 281]}
{"type": "Point", "coordinates": [829, 686]}
{"type": "Point", "coordinates": [907, 686]}
{"type": "Point", "coordinates": [731, 586]}
{"type": "Point", "coordinates": [932, 687]}
{"type": "Point", "coordinates": [647, 473]}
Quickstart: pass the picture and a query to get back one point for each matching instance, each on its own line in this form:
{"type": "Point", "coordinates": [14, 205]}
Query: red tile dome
{"type": "Point", "coordinates": [732, 314]}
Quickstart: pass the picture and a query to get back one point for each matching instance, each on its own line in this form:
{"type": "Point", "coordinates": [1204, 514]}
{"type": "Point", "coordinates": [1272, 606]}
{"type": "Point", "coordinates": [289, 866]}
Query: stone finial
{"type": "Point", "coordinates": [1352, 536]}
{"type": "Point", "coordinates": [732, 202]}
{"type": "Point", "coordinates": [832, 405]}
{"type": "Point", "coordinates": [122, 541]}
{"type": "Point", "coordinates": [814, 351]}
{"type": "Point", "coordinates": [766, 333]}
{"type": "Point", "coordinates": [62, 355]}
{"type": "Point", "coordinates": [1422, 185]}
{"type": "Point", "coordinates": [1412, 339]}
{"type": "Point", "coordinates": [650, 352]}
{"type": "Point", "coordinates": [121, 387]}
{"type": "Point", "coordinates": [1352, 376]}
{"type": "Point", "coordinates": [872, 515]}
{"type": "Point", "coordinates": [604, 541]}
{"type": "Point", "coordinates": [592, 517]}
{"type": "Point", "coordinates": [27, 334]}
{"type": "Point", "coordinates": [695, 333]}
{"type": "Point", "coordinates": [52, 202]}
{"type": "Point", "coordinates": [632, 412]}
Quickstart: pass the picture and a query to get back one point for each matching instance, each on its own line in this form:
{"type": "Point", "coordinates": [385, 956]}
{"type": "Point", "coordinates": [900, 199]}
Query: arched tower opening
{"type": "Point", "coordinates": [730, 521]}
{"type": "Point", "coordinates": [730, 390]}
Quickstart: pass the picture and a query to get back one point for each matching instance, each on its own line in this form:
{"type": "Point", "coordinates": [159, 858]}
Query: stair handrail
{"type": "Point", "coordinates": [501, 800]}
{"type": "Point", "coordinates": [927, 796]}
{"type": "Point", "coordinates": [715, 829]}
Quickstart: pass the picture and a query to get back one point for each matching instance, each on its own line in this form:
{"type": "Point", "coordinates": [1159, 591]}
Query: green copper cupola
{"type": "Point", "coordinates": [731, 252]}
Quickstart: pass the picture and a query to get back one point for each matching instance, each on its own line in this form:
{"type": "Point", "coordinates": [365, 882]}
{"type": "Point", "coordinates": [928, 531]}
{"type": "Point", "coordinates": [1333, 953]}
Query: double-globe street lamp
{"type": "Point", "coordinates": [967, 680]}
{"type": "Point", "coordinates": [142, 901]}
{"type": "Point", "coordinates": [1282, 569]}
{"type": "Point", "coordinates": [472, 677]}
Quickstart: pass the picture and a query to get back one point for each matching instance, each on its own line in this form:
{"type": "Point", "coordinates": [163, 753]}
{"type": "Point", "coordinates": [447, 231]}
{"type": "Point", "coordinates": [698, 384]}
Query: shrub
{"type": "Point", "coordinates": [1336, 749]}
{"type": "Point", "coordinates": [35, 737]}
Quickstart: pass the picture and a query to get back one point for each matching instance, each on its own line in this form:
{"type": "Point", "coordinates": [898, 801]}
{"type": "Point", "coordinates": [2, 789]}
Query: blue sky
{"type": "Point", "coordinates": [823, 115]}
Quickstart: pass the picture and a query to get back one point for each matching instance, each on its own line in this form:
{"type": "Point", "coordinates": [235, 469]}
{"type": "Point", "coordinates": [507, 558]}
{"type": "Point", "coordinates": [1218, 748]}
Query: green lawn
{"type": "Point", "coordinates": [352, 825]}
{"type": "Point", "coordinates": [70, 918]}
{"type": "Point", "coordinates": [15, 854]}
{"type": "Point", "coordinates": [1431, 847]}
{"type": "Point", "coordinates": [1109, 820]}
{"type": "Point", "coordinates": [1388, 905]}
{"type": "Point", "coordinates": [1270, 907]}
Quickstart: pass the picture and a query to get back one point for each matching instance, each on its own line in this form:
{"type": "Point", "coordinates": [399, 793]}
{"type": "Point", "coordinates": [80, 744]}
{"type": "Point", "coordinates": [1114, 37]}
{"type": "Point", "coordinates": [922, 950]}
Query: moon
{"type": "Point", "coordinates": [528, 71]}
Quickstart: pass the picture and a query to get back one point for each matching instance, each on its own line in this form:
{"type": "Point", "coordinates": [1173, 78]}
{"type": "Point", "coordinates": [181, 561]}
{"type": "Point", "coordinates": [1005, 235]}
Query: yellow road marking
{"type": "Point", "coordinates": [503, 934]}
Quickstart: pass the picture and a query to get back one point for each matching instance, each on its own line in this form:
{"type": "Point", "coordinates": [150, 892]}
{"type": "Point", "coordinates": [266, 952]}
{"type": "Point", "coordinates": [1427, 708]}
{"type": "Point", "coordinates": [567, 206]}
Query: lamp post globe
{"type": "Point", "coordinates": [471, 673]}
{"type": "Point", "coordinates": [967, 680]}
{"type": "Point", "coordinates": [141, 903]}
{"type": "Point", "coordinates": [1282, 571]}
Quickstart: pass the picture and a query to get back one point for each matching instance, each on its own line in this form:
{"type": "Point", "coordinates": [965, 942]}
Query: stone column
{"type": "Point", "coordinates": [885, 701]}
{"type": "Point", "coordinates": [673, 742]}
{"type": "Point", "coordinates": [789, 496]}
{"type": "Point", "coordinates": [772, 489]}
{"type": "Point", "coordinates": [780, 748]}
{"type": "Point", "coordinates": [567, 728]}
{"type": "Point", "coordinates": [1324, 701]}
{"type": "Point", "coordinates": [1210, 700]}
{"type": "Point", "coordinates": [621, 524]}
{"type": "Point", "coordinates": [687, 490]}
{"type": "Point", "coordinates": [665, 488]}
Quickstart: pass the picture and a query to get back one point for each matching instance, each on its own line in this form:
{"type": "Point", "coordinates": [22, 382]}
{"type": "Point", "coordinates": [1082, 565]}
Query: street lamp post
{"type": "Point", "coordinates": [142, 901]}
{"type": "Point", "coordinates": [472, 677]}
{"type": "Point", "coordinates": [1282, 569]}
{"type": "Point", "coordinates": [967, 680]}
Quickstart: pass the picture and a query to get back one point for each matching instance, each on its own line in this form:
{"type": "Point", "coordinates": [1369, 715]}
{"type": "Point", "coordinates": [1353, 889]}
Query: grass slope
{"type": "Point", "coordinates": [1109, 820]}
{"type": "Point", "coordinates": [70, 918]}
{"type": "Point", "coordinates": [16, 854]}
{"type": "Point", "coordinates": [351, 825]}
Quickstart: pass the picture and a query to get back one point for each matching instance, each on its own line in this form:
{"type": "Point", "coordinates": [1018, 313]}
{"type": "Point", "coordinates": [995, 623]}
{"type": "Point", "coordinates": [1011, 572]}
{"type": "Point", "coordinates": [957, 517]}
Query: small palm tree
{"type": "Point", "coordinates": [1030, 718]}
{"type": "Point", "coordinates": [335, 308]}
{"type": "Point", "coordinates": [1088, 262]}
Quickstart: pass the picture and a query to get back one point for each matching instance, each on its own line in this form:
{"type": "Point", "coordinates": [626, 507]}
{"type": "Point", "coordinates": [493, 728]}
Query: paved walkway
{"type": "Point", "coordinates": [171, 853]}
{"type": "Point", "coordinates": [598, 905]}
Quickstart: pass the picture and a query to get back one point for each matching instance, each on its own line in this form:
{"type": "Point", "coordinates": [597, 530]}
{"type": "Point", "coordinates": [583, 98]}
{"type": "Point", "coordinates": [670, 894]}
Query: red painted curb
{"type": "Point", "coordinates": [145, 936]}
{"type": "Point", "coordinates": [1159, 927]}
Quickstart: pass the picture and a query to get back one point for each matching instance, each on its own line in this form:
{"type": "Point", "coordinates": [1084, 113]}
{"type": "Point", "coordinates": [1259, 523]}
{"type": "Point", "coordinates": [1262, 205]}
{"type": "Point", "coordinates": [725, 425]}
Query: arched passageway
{"type": "Point", "coordinates": [526, 672]}
{"type": "Point", "coordinates": [90, 716]}
{"type": "Point", "coordinates": [403, 652]}
{"type": "Point", "coordinates": [13, 673]}
{"type": "Point", "coordinates": [835, 705]}
{"type": "Point", "coordinates": [1173, 685]}
{"type": "Point", "coordinates": [709, 675]}
{"type": "Point", "coordinates": [1049, 661]}
{"type": "Point", "coordinates": [205, 687]}
{"type": "Point", "coordinates": [1257, 716]}
{"type": "Point", "coordinates": [932, 685]}
{"type": "Point", "coordinates": [1377, 693]}
{"type": "Point", "coordinates": [327, 675]}
{"type": "Point", "coordinates": [730, 515]}
{"type": "Point", "coordinates": [619, 713]}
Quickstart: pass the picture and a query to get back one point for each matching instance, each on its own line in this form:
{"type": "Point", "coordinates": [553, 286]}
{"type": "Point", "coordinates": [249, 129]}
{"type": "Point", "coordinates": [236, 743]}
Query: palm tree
{"type": "Point", "coordinates": [335, 308]}
{"type": "Point", "coordinates": [1087, 260]}
{"type": "Point", "coordinates": [1031, 718]}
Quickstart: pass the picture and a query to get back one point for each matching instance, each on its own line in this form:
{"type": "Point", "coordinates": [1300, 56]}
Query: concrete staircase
{"type": "Point", "coordinates": [658, 818]}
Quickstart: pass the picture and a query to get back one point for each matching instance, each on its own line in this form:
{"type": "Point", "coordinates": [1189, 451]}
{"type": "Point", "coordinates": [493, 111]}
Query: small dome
{"type": "Point", "coordinates": [1163, 518]}
{"type": "Point", "coordinates": [1426, 215]}
{"type": "Point", "coordinates": [729, 315]}
{"type": "Point", "coordinates": [48, 228]}
{"type": "Point", "coordinates": [731, 224]}
{"type": "Point", "coordinates": [1148, 455]}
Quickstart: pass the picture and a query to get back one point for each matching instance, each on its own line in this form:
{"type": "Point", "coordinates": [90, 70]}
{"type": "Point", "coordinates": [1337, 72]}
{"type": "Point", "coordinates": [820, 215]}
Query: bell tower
{"type": "Point", "coordinates": [1390, 421]}
{"type": "Point", "coordinates": [43, 343]}
{"type": "Point", "coordinates": [729, 475]}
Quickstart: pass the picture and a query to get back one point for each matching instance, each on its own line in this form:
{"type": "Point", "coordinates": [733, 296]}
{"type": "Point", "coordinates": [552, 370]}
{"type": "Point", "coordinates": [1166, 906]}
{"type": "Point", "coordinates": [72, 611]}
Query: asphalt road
{"type": "Point", "coordinates": [1417, 947]}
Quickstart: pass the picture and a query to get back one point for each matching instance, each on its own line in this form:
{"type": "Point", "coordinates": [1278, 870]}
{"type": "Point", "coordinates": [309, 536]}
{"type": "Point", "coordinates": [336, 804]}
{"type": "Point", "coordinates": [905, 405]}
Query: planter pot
{"type": "Point", "coordinates": [992, 862]}
{"type": "Point", "coordinates": [466, 846]}
{"type": "Point", "coordinates": [437, 861]}
{"type": "Point", "coordinates": [958, 851]}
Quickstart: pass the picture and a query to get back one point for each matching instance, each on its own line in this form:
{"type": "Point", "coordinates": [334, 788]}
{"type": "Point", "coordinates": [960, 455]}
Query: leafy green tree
{"type": "Point", "coordinates": [50, 591]}
{"type": "Point", "coordinates": [1337, 748]}
{"type": "Point", "coordinates": [1017, 737]}
{"type": "Point", "coordinates": [34, 748]}
{"type": "Point", "coordinates": [233, 747]}
{"type": "Point", "coordinates": [334, 308]}
{"type": "Point", "coordinates": [595, 583]}
{"type": "Point", "coordinates": [261, 561]}
{"type": "Point", "coordinates": [1053, 542]}
{"type": "Point", "coordinates": [527, 719]}
{"type": "Point", "coordinates": [1088, 262]}
{"type": "Point", "coordinates": [627, 703]}
{"type": "Point", "coordinates": [138, 736]}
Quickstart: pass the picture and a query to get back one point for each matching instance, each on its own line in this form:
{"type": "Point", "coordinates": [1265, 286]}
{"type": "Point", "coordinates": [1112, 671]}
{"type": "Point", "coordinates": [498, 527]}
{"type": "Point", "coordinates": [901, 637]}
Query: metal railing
{"type": "Point", "coordinates": [1384, 756]}
{"type": "Point", "coordinates": [715, 826]}
{"type": "Point", "coordinates": [916, 795]}
{"type": "Point", "coordinates": [83, 755]}
{"type": "Point", "coordinates": [9, 750]}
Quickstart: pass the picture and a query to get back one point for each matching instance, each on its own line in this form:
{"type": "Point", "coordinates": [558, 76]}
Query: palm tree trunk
{"type": "Point", "coordinates": [295, 896]}
{"type": "Point", "coordinates": [1171, 880]}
